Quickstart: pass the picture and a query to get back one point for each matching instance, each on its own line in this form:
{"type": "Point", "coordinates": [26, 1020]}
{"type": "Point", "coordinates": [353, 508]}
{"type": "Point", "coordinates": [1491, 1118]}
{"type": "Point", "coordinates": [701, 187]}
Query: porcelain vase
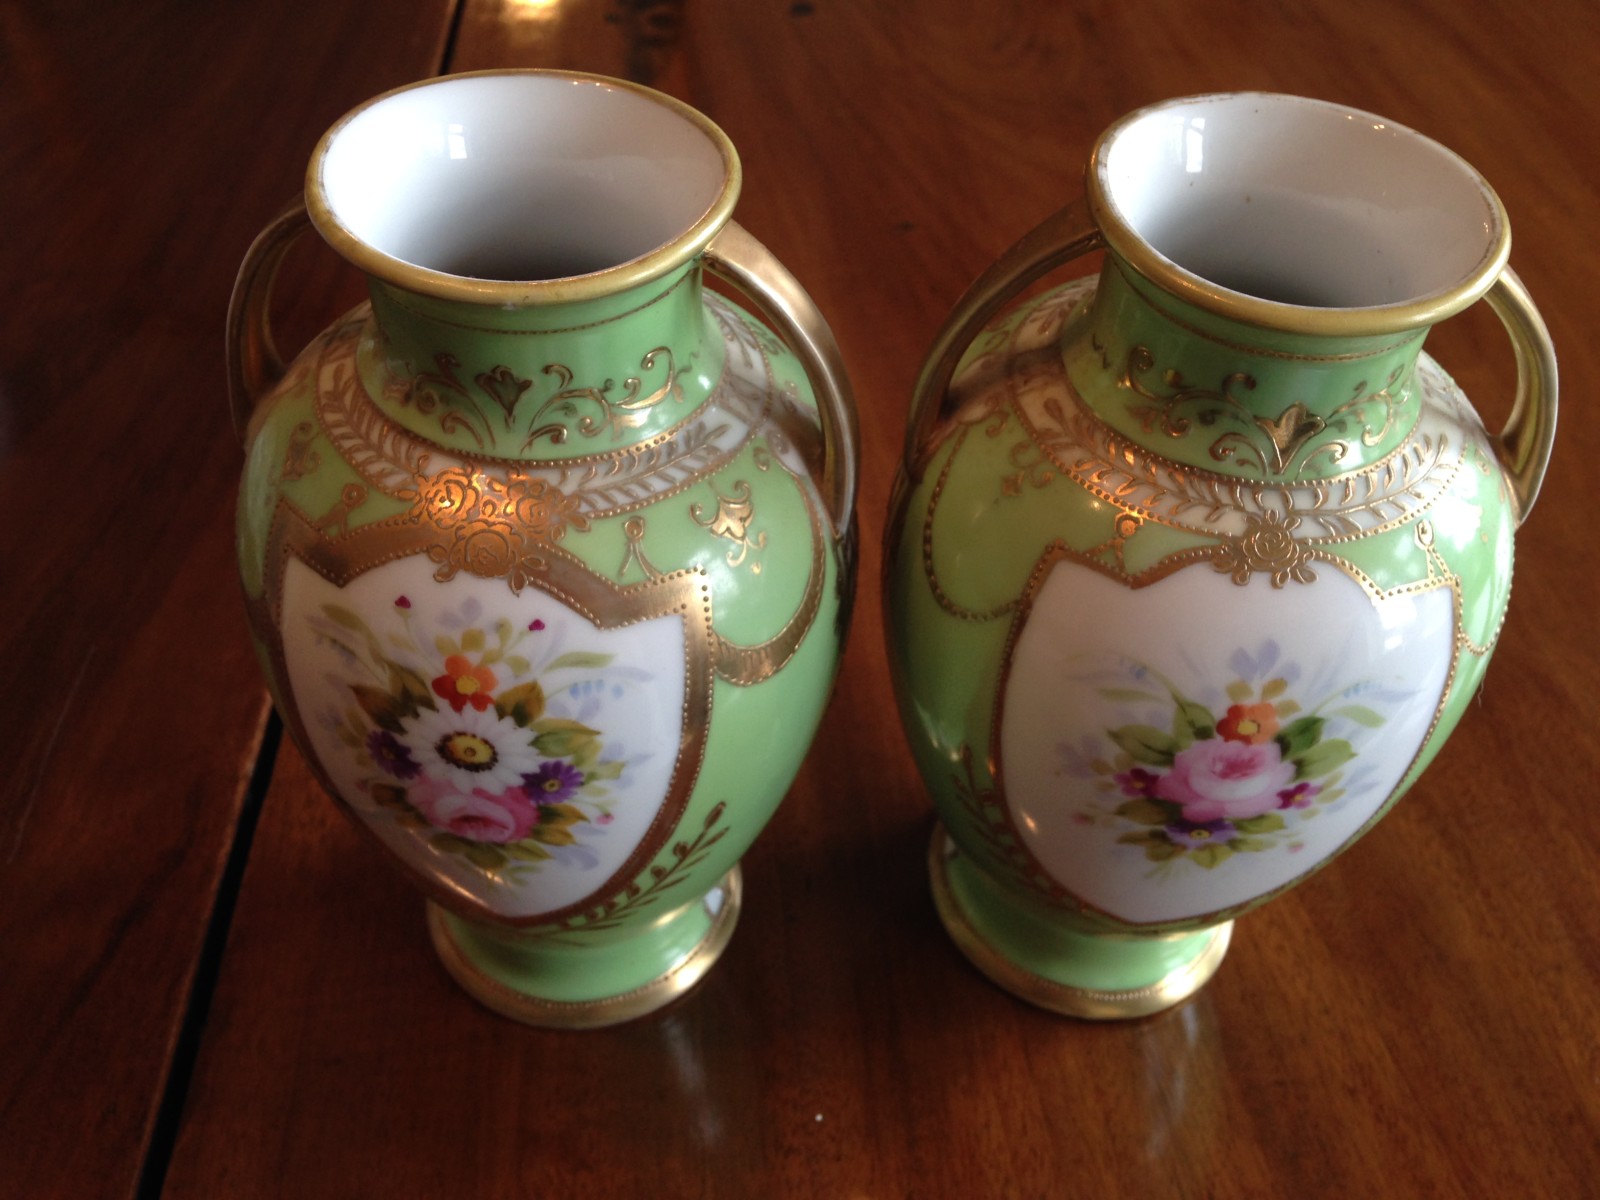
{"type": "Point", "coordinates": [547, 549]}
{"type": "Point", "coordinates": [1194, 565]}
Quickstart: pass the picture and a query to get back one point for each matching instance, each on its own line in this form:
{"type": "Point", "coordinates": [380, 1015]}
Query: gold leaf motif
{"type": "Point", "coordinates": [504, 387]}
{"type": "Point", "coordinates": [732, 521]}
{"type": "Point", "coordinates": [1270, 445]}
{"type": "Point", "coordinates": [299, 459]}
{"type": "Point", "coordinates": [1289, 431]}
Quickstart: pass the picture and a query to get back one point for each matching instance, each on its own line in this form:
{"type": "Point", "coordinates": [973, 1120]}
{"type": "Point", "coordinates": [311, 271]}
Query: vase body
{"type": "Point", "coordinates": [1187, 581]}
{"type": "Point", "coordinates": [546, 547]}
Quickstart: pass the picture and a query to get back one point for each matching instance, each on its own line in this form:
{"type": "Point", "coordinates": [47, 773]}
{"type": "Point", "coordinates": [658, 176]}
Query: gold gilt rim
{"type": "Point", "coordinates": [1087, 1003]}
{"type": "Point", "coordinates": [672, 984]}
{"type": "Point", "coordinates": [529, 293]}
{"type": "Point", "coordinates": [1161, 271]}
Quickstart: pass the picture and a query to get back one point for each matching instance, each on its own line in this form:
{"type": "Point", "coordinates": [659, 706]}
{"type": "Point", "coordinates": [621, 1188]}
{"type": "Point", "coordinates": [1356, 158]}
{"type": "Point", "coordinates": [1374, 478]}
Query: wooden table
{"type": "Point", "coordinates": [211, 987]}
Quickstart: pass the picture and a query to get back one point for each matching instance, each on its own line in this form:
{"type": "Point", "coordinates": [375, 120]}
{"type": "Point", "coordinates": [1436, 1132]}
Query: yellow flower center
{"type": "Point", "coordinates": [466, 685]}
{"type": "Point", "coordinates": [467, 751]}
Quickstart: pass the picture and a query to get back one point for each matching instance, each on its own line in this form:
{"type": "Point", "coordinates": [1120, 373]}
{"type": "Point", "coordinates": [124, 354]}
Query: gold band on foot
{"type": "Point", "coordinates": [1089, 1003]}
{"type": "Point", "coordinates": [721, 904]}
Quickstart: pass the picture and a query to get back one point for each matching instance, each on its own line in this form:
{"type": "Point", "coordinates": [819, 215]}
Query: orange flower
{"type": "Point", "coordinates": [464, 684]}
{"type": "Point", "coordinates": [1251, 724]}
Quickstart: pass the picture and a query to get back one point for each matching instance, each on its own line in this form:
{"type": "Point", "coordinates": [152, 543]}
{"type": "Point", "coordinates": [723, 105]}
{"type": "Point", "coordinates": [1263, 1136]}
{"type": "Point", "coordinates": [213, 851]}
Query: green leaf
{"type": "Point", "coordinates": [526, 851]}
{"type": "Point", "coordinates": [1146, 744]}
{"type": "Point", "coordinates": [1161, 850]}
{"type": "Point", "coordinates": [560, 738]}
{"type": "Point", "coordinates": [1249, 845]}
{"type": "Point", "coordinates": [1209, 856]}
{"type": "Point", "coordinates": [1323, 758]}
{"type": "Point", "coordinates": [481, 854]}
{"type": "Point", "coordinates": [340, 615]}
{"type": "Point", "coordinates": [389, 796]}
{"type": "Point", "coordinates": [446, 645]}
{"type": "Point", "coordinates": [518, 664]}
{"type": "Point", "coordinates": [472, 641]}
{"type": "Point", "coordinates": [1361, 715]}
{"type": "Point", "coordinates": [523, 704]}
{"type": "Point", "coordinates": [1297, 737]}
{"type": "Point", "coordinates": [559, 816]}
{"type": "Point", "coordinates": [1145, 812]}
{"type": "Point", "coordinates": [1192, 722]}
{"type": "Point", "coordinates": [403, 681]}
{"type": "Point", "coordinates": [1274, 688]}
{"type": "Point", "coordinates": [609, 769]}
{"type": "Point", "coordinates": [1265, 823]}
{"type": "Point", "coordinates": [581, 658]}
{"type": "Point", "coordinates": [1239, 691]}
{"type": "Point", "coordinates": [380, 706]}
{"type": "Point", "coordinates": [555, 835]}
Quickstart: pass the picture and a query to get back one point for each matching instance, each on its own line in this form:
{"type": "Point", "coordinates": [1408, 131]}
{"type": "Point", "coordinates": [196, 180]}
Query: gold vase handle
{"type": "Point", "coordinates": [743, 262]}
{"type": "Point", "coordinates": [1056, 241]}
{"type": "Point", "coordinates": [1523, 446]}
{"type": "Point", "coordinates": [254, 364]}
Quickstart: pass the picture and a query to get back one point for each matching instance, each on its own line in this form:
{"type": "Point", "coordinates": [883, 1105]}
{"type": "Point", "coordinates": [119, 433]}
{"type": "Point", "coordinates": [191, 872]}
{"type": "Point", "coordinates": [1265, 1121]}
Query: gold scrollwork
{"type": "Point", "coordinates": [990, 820]}
{"type": "Point", "coordinates": [441, 393]}
{"type": "Point", "coordinates": [732, 521]}
{"type": "Point", "coordinates": [1269, 444]}
{"type": "Point", "coordinates": [613, 415]}
{"type": "Point", "coordinates": [430, 391]}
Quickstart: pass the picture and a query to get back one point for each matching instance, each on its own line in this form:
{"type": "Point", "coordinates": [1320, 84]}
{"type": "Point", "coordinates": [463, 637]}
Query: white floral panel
{"type": "Point", "coordinates": [499, 743]}
{"type": "Point", "coordinates": [1175, 750]}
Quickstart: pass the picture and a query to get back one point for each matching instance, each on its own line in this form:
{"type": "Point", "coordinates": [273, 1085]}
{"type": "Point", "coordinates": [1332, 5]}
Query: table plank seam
{"type": "Point", "coordinates": [168, 1118]}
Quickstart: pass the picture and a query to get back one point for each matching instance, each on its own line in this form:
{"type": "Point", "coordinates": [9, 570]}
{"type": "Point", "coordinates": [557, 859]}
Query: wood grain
{"type": "Point", "coordinates": [1418, 1019]}
{"type": "Point", "coordinates": [140, 148]}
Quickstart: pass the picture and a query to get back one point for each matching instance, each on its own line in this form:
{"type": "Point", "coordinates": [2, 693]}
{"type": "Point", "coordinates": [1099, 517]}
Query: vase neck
{"type": "Point", "coordinates": [546, 382]}
{"type": "Point", "coordinates": [1235, 398]}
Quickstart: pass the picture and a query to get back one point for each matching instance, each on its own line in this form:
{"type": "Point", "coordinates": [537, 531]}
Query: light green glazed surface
{"type": "Point", "coordinates": [999, 503]}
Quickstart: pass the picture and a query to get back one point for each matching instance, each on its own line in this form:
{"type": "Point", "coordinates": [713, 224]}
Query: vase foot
{"type": "Point", "coordinates": [561, 981]}
{"type": "Point", "coordinates": [1095, 976]}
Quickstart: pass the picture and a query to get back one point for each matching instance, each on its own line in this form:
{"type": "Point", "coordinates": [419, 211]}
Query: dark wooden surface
{"type": "Point", "coordinates": [1419, 1019]}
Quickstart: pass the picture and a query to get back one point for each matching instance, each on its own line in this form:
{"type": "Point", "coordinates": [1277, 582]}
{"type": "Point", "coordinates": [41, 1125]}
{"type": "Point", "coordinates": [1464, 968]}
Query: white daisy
{"type": "Point", "coordinates": [471, 749]}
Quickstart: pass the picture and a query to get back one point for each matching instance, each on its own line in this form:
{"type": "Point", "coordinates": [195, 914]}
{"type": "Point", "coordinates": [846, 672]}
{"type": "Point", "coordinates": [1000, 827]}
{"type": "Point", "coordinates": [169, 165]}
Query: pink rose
{"type": "Point", "coordinates": [477, 815]}
{"type": "Point", "coordinates": [1225, 780]}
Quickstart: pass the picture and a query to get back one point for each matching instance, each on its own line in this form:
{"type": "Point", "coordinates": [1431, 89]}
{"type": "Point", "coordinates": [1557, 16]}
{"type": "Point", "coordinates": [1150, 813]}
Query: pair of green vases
{"type": "Point", "coordinates": [548, 551]}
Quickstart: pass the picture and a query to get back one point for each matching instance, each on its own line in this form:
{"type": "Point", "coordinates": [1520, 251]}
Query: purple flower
{"type": "Point", "coordinates": [1299, 796]}
{"type": "Point", "coordinates": [1191, 835]}
{"type": "Point", "coordinates": [1138, 782]}
{"type": "Point", "coordinates": [555, 780]}
{"type": "Point", "coordinates": [392, 755]}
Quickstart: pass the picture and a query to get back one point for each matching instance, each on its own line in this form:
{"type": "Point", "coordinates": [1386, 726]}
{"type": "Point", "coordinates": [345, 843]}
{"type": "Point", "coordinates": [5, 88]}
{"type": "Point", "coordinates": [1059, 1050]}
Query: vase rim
{"type": "Point", "coordinates": [703, 167]}
{"type": "Point", "coordinates": [1405, 191]}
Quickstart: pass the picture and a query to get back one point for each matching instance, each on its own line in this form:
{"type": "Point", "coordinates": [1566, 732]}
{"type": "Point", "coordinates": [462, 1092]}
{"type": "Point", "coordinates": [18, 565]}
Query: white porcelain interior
{"type": "Point", "coordinates": [519, 176]}
{"type": "Point", "coordinates": [1299, 201]}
